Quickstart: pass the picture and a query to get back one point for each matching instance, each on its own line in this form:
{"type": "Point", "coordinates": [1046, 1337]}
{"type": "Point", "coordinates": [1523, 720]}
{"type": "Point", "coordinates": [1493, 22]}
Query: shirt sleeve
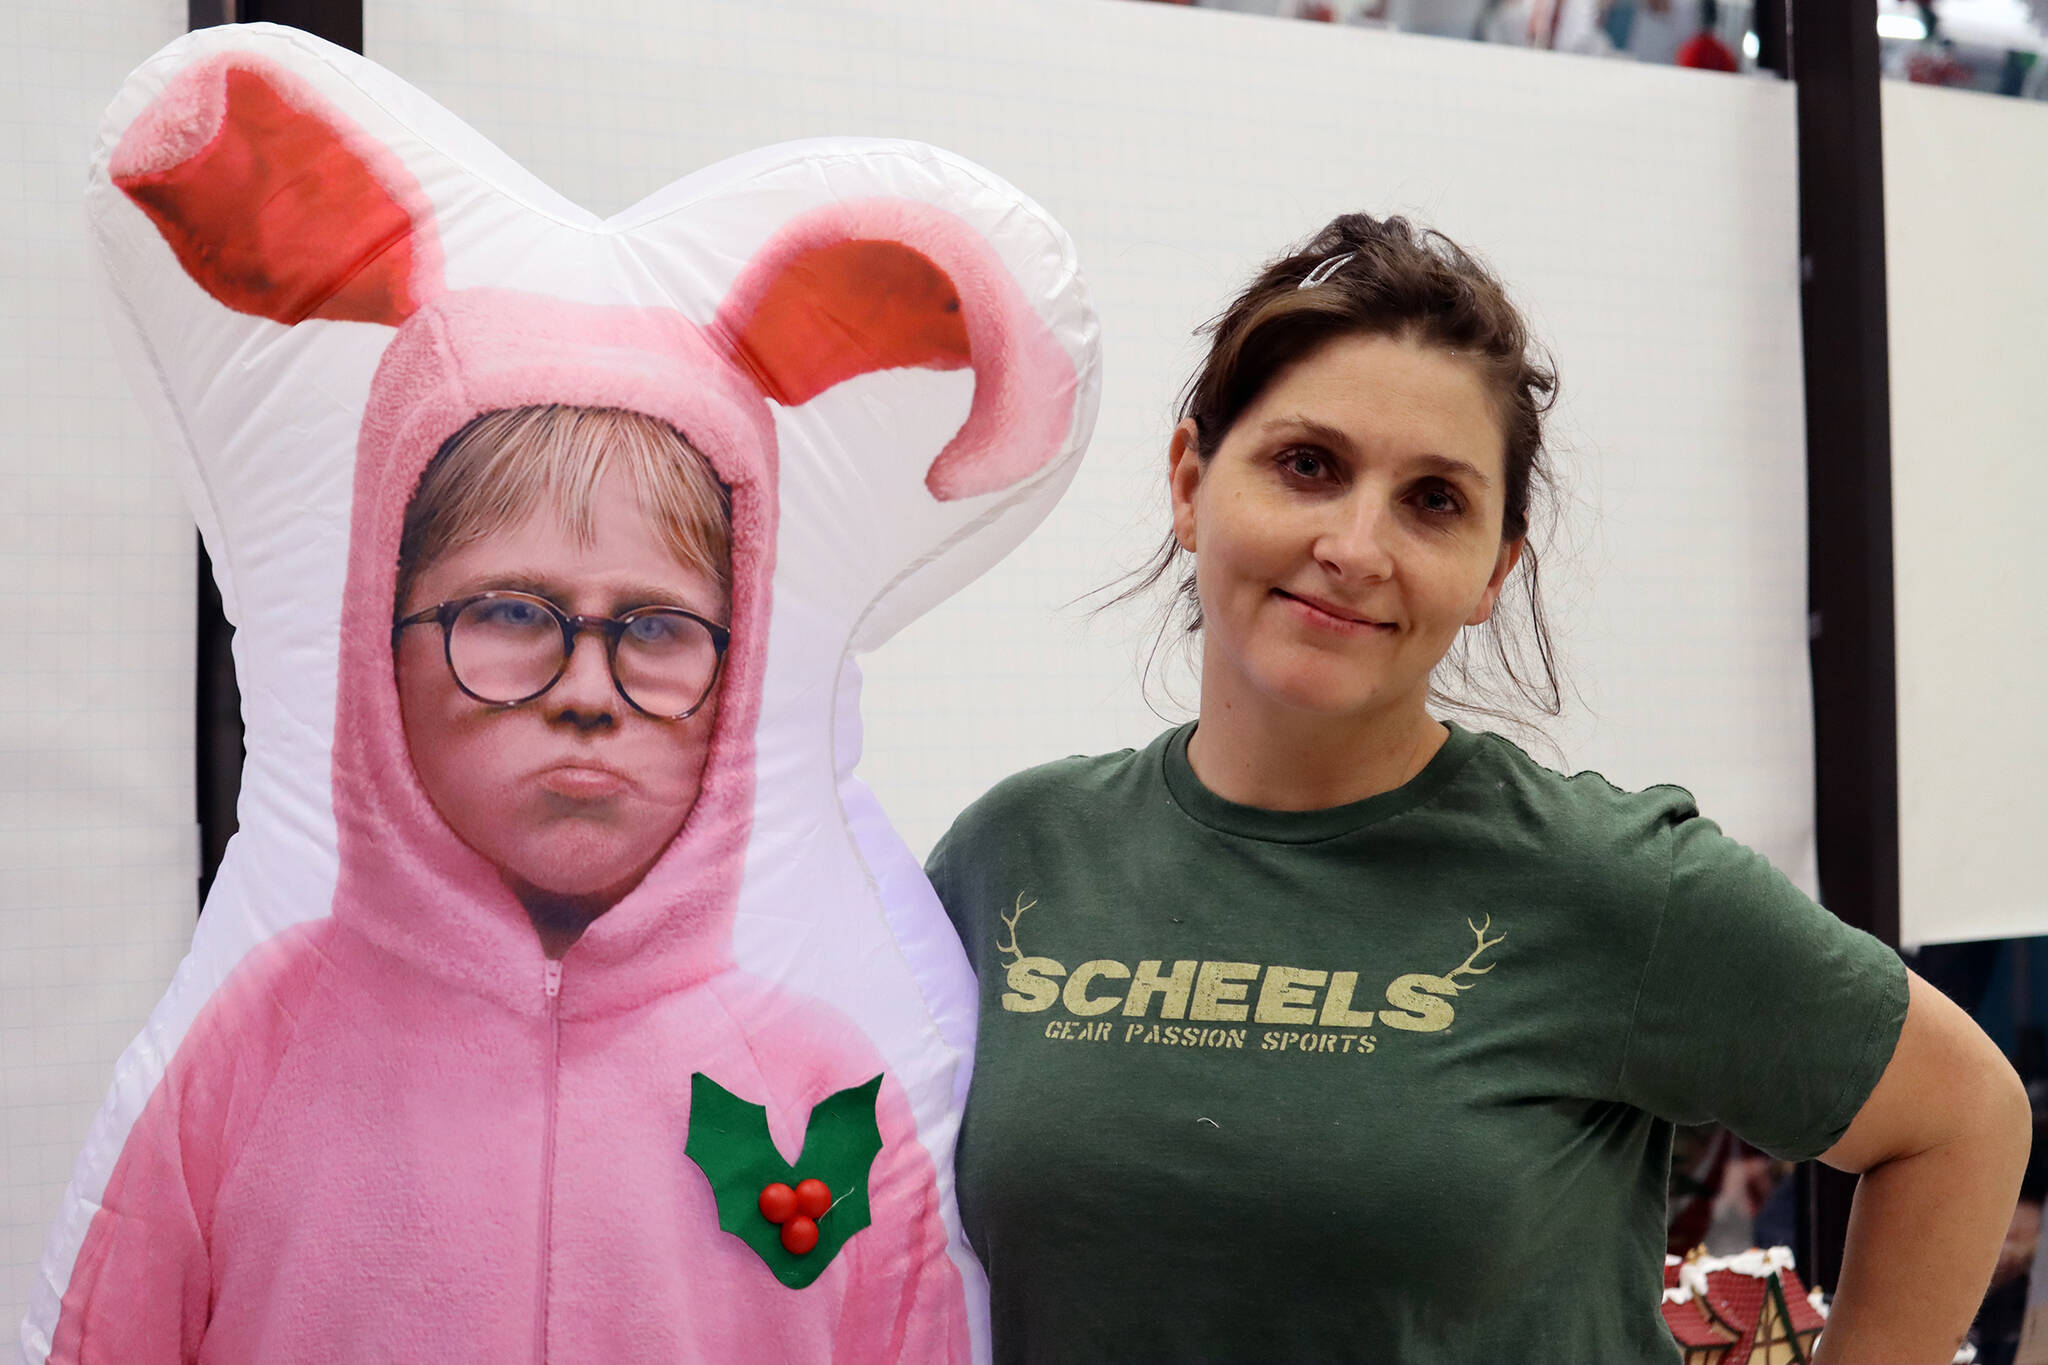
{"type": "Point", "coordinates": [960, 868]}
{"type": "Point", "coordinates": [1757, 1008]}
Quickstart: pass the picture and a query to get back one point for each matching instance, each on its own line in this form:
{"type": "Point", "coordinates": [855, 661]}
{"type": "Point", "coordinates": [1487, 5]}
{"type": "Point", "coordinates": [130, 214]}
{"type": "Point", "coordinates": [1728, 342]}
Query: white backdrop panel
{"type": "Point", "coordinates": [1965, 206]}
{"type": "Point", "coordinates": [97, 845]}
{"type": "Point", "coordinates": [1645, 215]}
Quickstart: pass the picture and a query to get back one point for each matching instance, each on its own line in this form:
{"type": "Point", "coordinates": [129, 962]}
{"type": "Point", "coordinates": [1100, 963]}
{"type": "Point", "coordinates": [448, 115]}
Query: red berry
{"type": "Point", "coordinates": [778, 1202]}
{"type": "Point", "coordinates": [813, 1197]}
{"type": "Point", "coordinates": [799, 1235]}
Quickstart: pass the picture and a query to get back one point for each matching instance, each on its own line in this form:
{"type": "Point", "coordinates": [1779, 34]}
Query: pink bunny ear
{"type": "Point", "coordinates": [850, 308]}
{"type": "Point", "coordinates": [891, 284]}
{"type": "Point", "coordinates": [274, 203]}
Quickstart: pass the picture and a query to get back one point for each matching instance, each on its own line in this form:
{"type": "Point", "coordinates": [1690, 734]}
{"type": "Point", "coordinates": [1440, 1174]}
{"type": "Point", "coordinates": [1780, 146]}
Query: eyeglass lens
{"type": "Point", "coordinates": [508, 649]}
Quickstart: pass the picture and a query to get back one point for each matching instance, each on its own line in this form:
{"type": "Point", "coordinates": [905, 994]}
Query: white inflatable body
{"type": "Point", "coordinates": [373, 1117]}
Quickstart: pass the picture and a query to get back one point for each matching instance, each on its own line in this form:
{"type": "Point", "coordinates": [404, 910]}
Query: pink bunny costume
{"type": "Point", "coordinates": [396, 1130]}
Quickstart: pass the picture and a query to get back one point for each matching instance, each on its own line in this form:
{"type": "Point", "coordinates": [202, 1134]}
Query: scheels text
{"type": "Point", "coordinates": [1226, 993]}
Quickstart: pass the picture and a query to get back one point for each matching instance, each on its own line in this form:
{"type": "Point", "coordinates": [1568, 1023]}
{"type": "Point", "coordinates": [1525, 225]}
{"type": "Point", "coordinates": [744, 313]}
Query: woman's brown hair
{"type": "Point", "coordinates": [1365, 276]}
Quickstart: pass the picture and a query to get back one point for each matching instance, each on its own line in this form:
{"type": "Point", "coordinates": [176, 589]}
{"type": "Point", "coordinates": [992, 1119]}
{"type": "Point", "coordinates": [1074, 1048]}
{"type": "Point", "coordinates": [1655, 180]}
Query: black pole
{"type": "Point", "coordinates": [217, 701]}
{"type": "Point", "coordinates": [1849, 510]}
{"type": "Point", "coordinates": [1773, 36]}
{"type": "Point", "coordinates": [338, 21]}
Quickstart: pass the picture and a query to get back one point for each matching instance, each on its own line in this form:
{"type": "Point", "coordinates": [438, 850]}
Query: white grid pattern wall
{"type": "Point", "coordinates": [1968, 288]}
{"type": "Point", "coordinates": [97, 844]}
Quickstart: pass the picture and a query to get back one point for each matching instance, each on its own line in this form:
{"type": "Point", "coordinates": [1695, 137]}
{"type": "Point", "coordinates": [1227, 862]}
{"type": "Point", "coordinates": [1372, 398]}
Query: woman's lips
{"type": "Point", "coordinates": [583, 781]}
{"type": "Point", "coordinates": [1328, 616]}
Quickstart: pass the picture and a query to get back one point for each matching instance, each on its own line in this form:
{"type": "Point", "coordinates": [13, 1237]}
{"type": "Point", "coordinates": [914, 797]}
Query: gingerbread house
{"type": "Point", "coordinates": [1703, 1340]}
{"type": "Point", "coordinates": [1758, 1297]}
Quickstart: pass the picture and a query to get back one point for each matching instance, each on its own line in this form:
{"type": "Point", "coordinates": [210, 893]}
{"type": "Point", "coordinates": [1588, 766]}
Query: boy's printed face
{"type": "Point", "coordinates": [574, 794]}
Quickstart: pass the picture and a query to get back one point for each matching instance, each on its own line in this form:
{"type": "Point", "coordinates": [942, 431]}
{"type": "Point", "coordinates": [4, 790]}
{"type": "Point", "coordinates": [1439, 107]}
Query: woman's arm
{"type": "Point", "coordinates": [1941, 1144]}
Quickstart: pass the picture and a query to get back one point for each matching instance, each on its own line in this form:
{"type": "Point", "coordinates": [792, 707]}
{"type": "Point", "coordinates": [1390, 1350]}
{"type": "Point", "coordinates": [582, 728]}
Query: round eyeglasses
{"type": "Point", "coordinates": [508, 648]}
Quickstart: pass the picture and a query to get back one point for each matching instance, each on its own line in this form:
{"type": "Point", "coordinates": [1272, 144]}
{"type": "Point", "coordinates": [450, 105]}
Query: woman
{"type": "Point", "coordinates": [1322, 1029]}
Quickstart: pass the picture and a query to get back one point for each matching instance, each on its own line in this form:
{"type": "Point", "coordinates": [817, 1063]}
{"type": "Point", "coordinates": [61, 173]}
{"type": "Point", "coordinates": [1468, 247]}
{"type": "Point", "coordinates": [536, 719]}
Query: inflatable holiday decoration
{"type": "Point", "coordinates": [563, 995]}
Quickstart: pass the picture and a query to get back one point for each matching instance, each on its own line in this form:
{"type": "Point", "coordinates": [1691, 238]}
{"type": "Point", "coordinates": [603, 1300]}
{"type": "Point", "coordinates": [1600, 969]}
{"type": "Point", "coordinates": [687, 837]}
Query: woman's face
{"type": "Point", "coordinates": [1345, 529]}
{"type": "Point", "coordinates": [574, 794]}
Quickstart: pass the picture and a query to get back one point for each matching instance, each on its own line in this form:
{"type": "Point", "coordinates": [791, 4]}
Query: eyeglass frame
{"type": "Point", "coordinates": [612, 628]}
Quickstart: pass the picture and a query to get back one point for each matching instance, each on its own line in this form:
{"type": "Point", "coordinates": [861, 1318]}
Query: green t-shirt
{"type": "Point", "coordinates": [1389, 1082]}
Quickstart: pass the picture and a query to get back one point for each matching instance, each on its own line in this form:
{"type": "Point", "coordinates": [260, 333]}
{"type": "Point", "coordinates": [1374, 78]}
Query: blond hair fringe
{"type": "Point", "coordinates": [503, 466]}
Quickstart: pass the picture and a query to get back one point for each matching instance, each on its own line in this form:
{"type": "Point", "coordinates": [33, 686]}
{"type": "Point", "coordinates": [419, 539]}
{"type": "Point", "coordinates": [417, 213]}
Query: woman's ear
{"type": "Point", "coordinates": [1183, 477]}
{"type": "Point", "coordinates": [1503, 564]}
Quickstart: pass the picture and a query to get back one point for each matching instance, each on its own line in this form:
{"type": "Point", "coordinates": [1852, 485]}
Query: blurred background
{"type": "Point", "coordinates": [1992, 46]}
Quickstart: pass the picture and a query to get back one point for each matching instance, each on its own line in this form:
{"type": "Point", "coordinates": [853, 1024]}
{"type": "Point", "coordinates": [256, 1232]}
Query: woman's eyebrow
{"type": "Point", "coordinates": [1322, 433]}
{"type": "Point", "coordinates": [1444, 464]}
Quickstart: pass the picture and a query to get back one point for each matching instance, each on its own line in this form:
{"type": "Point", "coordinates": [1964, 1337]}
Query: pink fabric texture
{"type": "Point", "coordinates": [395, 1134]}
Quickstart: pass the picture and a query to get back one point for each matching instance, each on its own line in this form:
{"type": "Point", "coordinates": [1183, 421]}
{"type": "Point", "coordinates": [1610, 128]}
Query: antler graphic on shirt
{"type": "Point", "coordinates": [1010, 922]}
{"type": "Point", "coordinates": [1466, 967]}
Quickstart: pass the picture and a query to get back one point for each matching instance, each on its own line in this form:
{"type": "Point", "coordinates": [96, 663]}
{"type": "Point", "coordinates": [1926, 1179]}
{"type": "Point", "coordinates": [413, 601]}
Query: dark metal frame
{"type": "Point", "coordinates": [1834, 60]}
{"type": "Point", "coordinates": [338, 21]}
{"type": "Point", "coordinates": [1831, 48]}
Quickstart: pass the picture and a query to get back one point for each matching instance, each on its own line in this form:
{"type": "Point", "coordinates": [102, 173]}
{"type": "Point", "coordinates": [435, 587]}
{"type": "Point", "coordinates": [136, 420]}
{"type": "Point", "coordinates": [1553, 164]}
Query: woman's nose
{"type": "Point", "coordinates": [1357, 543]}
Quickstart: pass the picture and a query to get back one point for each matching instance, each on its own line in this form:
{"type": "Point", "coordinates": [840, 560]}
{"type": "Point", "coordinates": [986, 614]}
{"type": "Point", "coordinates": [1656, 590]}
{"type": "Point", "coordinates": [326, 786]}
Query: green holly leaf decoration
{"type": "Point", "coordinates": [729, 1142]}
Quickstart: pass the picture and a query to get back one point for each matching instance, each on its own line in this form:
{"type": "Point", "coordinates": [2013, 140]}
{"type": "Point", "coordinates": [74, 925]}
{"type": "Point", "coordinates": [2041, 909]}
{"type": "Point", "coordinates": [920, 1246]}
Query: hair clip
{"type": "Point", "coordinates": [1325, 270]}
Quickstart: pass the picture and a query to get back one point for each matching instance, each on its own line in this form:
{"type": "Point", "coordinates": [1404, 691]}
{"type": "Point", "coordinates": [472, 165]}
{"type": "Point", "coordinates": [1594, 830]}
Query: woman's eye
{"type": "Point", "coordinates": [1440, 501]}
{"type": "Point", "coordinates": [1305, 464]}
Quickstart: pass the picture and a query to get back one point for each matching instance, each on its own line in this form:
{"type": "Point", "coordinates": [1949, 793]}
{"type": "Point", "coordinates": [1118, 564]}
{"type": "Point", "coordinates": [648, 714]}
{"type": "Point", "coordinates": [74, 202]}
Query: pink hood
{"type": "Point", "coordinates": [407, 882]}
